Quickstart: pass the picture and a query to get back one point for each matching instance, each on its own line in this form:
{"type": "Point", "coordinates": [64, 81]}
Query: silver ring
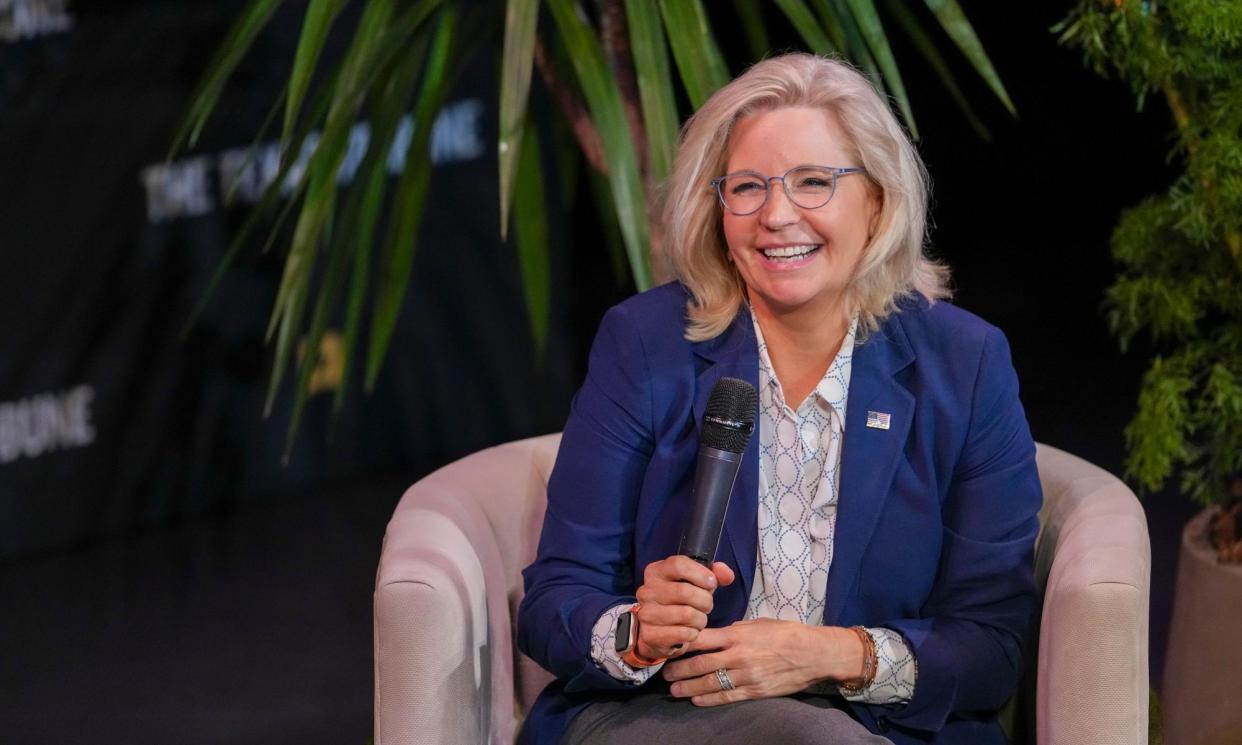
{"type": "Point", "coordinates": [723, 676]}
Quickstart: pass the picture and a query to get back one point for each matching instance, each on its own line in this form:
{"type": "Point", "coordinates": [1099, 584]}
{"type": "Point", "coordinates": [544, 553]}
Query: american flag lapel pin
{"type": "Point", "coordinates": [878, 419]}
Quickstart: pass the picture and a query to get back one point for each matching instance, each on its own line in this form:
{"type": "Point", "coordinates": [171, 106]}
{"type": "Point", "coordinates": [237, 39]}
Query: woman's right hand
{"type": "Point", "coordinates": [674, 600]}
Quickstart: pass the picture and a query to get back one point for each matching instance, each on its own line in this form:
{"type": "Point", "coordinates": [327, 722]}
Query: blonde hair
{"type": "Point", "coordinates": [893, 265]}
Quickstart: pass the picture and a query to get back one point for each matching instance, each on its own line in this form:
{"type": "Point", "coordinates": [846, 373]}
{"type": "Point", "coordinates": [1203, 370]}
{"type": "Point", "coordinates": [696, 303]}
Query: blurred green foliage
{"type": "Point", "coordinates": [1180, 252]}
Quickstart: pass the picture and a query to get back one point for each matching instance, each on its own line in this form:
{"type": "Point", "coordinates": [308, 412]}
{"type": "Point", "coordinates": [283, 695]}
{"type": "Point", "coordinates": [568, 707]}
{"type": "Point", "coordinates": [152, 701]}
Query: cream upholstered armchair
{"type": "Point", "coordinates": [449, 581]}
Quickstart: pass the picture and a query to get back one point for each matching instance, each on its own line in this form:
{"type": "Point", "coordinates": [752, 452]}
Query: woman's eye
{"type": "Point", "coordinates": [747, 187]}
{"type": "Point", "coordinates": [813, 182]}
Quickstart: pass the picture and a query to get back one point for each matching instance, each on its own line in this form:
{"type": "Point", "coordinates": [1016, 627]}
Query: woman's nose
{"type": "Point", "coordinates": [778, 212]}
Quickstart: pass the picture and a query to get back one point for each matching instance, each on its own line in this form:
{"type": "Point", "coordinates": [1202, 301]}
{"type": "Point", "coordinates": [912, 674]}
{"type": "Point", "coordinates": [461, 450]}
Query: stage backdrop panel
{"type": "Point", "coordinates": [109, 419]}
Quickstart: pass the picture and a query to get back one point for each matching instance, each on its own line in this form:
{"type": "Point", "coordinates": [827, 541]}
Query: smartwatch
{"type": "Point", "coordinates": [625, 640]}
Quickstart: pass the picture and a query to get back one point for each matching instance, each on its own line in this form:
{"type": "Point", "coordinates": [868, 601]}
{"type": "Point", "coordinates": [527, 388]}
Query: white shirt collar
{"type": "Point", "coordinates": [833, 387]}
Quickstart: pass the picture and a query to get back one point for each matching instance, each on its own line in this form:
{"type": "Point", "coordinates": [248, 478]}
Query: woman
{"type": "Point", "coordinates": [874, 580]}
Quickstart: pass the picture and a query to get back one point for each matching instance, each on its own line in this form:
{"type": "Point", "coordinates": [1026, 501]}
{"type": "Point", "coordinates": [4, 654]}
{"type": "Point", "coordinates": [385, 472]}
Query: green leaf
{"type": "Point", "coordinates": [324, 161]}
{"type": "Point", "coordinates": [379, 41]}
{"type": "Point", "coordinates": [521, 22]}
{"type": "Point", "coordinates": [923, 43]}
{"type": "Point", "coordinates": [371, 203]}
{"type": "Point", "coordinates": [830, 16]}
{"type": "Point", "coordinates": [398, 257]}
{"type": "Point", "coordinates": [294, 286]}
{"type": "Point", "coordinates": [840, 22]}
{"type": "Point", "coordinates": [281, 186]}
{"type": "Point", "coordinates": [238, 41]}
{"type": "Point", "coordinates": [604, 101]}
{"type": "Point", "coordinates": [325, 306]}
{"type": "Point", "coordinates": [365, 201]}
{"type": "Point", "coordinates": [320, 201]}
{"type": "Point", "coordinates": [380, 38]}
{"type": "Point", "coordinates": [954, 22]}
{"type": "Point", "coordinates": [395, 83]}
{"type": "Point", "coordinates": [531, 234]}
{"type": "Point", "coordinates": [230, 254]}
{"type": "Point", "coordinates": [804, 23]}
{"type": "Point", "coordinates": [869, 22]}
{"type": "Point", "coordinates": [655, 86]}
{"type": "Point", "coordinates": [356, 72]}
{"type": "Point", "coordinates": [320, 14]}
{"type": "Point", "coordinates": [756, 32]}
{"type": "Point", "coordinates": [231, 191]}
{"type": "Point", "coordinates": [359, 291]}
{"type": "Point", "coordinates": [698, 58]}
{"type": "Point", "coordinates": [1156, 437]}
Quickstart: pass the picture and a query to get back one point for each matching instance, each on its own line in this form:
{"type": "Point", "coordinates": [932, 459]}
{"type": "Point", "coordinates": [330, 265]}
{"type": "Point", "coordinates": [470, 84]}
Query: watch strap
{"type": "Point", "coordinates": [631, 656]}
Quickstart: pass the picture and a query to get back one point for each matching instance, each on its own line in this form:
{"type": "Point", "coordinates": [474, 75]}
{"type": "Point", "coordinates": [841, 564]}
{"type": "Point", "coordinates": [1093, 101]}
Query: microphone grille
{"type": "Point", "coordinates": [730, 416]}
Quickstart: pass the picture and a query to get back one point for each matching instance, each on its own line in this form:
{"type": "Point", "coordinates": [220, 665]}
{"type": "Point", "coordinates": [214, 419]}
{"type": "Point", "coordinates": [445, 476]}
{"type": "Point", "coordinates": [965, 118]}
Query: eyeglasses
{"type": "Point", "coordinates": [809, 187]}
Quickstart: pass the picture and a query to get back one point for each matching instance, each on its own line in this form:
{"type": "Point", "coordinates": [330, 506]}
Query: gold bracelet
{"type": "Point", "coordinates": [870, 662]}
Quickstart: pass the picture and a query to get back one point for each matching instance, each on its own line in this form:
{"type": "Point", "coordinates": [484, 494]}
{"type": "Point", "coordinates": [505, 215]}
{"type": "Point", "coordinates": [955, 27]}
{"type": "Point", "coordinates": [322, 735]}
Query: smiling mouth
{"type": "Point", "coordinates": [790, 253]}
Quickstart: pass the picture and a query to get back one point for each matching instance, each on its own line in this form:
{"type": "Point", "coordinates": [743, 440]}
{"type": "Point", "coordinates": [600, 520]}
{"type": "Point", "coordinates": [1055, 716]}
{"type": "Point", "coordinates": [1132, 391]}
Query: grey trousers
{"type": "Point", "coordinates": [659, 718]}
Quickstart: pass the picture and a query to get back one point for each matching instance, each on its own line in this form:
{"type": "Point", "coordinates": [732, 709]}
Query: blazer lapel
{"type": "Point", "coordinates": [870, 454]}
{"type": "Point", "coordinates": [735, 354]}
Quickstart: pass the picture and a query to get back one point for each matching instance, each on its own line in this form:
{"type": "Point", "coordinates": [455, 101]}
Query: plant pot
{"type": "Point", "coordinates": [1202, 689]}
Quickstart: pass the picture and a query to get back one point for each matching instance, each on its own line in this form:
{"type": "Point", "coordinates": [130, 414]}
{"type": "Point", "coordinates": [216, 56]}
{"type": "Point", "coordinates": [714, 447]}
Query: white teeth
{"type": "Point", "coordinates": [789, 252]}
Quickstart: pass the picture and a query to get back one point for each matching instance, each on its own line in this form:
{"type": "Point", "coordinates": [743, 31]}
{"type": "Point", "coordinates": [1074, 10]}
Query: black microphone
{"type": "Point", "coordinates": [727, 427]}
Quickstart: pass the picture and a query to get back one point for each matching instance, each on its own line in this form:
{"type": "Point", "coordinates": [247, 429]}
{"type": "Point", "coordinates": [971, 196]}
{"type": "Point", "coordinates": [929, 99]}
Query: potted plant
{"type": "Point", "coordinates": [1180, 285]}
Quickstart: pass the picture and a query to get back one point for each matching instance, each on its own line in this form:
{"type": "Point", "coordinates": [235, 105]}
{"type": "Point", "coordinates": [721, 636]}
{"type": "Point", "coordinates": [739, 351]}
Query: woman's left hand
{"type": "Point", "coordinates": [763, 658]}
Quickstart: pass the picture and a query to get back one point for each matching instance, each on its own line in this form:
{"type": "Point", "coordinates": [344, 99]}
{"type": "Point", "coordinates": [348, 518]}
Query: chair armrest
{"type": "Point", "coordinates": [432, 662]}
{"type": "Point", "coordinates": [1093, 663]}
{"type": "Point", "coordinates": [449, 576]}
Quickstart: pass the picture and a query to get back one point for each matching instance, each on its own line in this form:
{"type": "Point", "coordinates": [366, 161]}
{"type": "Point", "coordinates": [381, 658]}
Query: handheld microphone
{"type": "Point", "coordinates": [728, 424]}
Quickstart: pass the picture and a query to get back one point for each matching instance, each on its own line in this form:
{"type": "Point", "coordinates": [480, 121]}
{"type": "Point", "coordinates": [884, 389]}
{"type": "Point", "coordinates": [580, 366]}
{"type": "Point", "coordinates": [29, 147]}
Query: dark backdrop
{"type": "Point", "coordinates": [109, 419]}
{"type": "Point", "coordinates": [162, 577]}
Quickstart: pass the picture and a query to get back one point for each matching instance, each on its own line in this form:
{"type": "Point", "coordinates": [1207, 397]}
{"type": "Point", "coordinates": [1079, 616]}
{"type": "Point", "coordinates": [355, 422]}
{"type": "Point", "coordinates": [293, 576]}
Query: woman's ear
{"type": "Point", "coordinates": [875, 206]}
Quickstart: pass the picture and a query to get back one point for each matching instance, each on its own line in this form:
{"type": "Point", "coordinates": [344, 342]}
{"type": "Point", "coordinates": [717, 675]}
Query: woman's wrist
{"type": "Point", "coordinates": [856, 686]}
{"type": "Point", "coordinates": [843, 655]}
{"type": "Point", "coordinates": [640, 654]}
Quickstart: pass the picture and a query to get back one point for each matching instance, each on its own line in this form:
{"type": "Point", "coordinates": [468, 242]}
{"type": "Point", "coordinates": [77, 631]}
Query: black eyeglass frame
{"type": "Point", "coordinates": [836, 172]}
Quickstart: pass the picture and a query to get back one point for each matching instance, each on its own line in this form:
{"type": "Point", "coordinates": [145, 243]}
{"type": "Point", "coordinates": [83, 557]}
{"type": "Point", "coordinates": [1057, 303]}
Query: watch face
{"type": "Point", "coordinates": [621, 640]}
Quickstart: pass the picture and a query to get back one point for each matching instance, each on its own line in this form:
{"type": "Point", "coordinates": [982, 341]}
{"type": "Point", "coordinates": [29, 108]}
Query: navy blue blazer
{"type": "Point", "coordinates": [936, 520]}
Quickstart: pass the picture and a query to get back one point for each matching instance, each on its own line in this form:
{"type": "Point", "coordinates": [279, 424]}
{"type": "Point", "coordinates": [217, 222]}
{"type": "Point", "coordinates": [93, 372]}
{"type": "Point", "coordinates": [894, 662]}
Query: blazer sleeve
{"type": "Point", "coordinates": [968, 642]}
{"type": "Point", "coordinates": [584, 563]}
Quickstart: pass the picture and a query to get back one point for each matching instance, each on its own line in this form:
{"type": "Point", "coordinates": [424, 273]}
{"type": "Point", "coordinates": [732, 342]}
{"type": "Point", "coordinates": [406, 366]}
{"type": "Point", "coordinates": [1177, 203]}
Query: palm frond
{"type": "Point", "coordinates": [521, 22]}
{"type": "Point", "coordinates": [531, 234]}
{"type": "Point", "coordinates": [365, 201]}
{"type": "Point", "coordinates": [241, 37]}
{"type": "Point", "coordinates": [398, 253]}
{"type": "Point", "coordinates": [655, 85]}
{"type": "Point", "coordinates": [959, 29]}
{"type": "Point", "coordinates": [808, 28]}
{"type": "Point", "coordinates": [320, 15]}
{"type": "Point", "coordinates": [695, 50]}
{"type": "Point", "coordinates": [868, 19]}
{"type": "Point", "coordinates": [603, 98]}
{"type": "Point", "coordinates": [935, 60]}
